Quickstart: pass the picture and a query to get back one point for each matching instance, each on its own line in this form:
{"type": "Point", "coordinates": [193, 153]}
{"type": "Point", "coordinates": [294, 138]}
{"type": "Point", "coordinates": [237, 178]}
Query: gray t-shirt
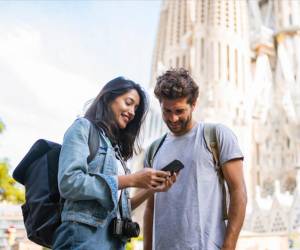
{"type": "Point", "coordinates": [189, 215]}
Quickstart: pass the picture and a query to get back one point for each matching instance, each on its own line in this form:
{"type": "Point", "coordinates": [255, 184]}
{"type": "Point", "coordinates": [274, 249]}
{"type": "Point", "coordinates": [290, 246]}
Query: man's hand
{"type": "Point", "coordinates": [165, 186]}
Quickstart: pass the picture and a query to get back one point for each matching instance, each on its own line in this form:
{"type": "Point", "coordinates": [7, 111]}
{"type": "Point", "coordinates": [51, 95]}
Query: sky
{"type": "Point", "coordinates": [56, 55]}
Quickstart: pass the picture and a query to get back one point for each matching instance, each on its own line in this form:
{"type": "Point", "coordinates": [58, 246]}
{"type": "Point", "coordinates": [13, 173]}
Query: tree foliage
{"type": "Point", "coordinates": [133, 242]}
{"type": "Point", "coordinates": [9, 191]}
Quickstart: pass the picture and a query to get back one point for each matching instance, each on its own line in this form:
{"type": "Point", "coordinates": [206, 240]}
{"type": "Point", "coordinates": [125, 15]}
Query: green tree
{"type": "Point", "coordinates": [8, 188]}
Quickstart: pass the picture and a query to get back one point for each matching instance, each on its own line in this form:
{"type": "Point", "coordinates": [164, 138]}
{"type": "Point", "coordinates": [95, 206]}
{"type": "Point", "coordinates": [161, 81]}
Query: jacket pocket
{"type": "Point", "coordinates": [88, 212]}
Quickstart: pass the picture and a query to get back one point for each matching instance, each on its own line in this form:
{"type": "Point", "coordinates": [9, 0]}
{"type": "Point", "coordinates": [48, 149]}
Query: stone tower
{"type": "Point", "coordinates": [277, 109]}
{"type": "Point", "coordinates": [211, 40]}
{"type": "Point", "coordinates": [245, 56]}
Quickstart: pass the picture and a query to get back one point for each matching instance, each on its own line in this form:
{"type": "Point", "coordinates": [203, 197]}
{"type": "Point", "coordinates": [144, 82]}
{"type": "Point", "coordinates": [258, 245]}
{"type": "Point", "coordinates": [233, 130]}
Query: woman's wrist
{"type": "Point", "coordinates": [131, 180]}
{"type": "Point", "coordinates": [126, 181]}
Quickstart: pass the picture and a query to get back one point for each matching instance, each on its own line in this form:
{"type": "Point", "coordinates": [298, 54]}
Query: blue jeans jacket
{"type": "Point", "coordinates": [90, 189]}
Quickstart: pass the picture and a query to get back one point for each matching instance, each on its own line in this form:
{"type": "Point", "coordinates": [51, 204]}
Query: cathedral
{"type": "Point", "coordinates": [245, 57]}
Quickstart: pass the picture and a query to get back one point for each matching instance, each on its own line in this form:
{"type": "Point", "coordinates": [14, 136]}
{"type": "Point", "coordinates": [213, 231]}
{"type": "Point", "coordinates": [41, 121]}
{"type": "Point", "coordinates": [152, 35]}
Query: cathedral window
{"type": "Point", "coordinates": [227, 15]}
{"type": "Point", "coordinates": [172, 22]}
{"type": "Point", "coordinates": [278, 224]}
{"type": "Point", "coordinates": [197, 11]}
{"type": "Point", "coordinates": [203, 11]}
{"type": "Point", "coordinates": [178, 22]}
{"type": "Point", "coordinates": [219, 13]}
{"type": "Point", "coordinates": [184, 61]}
{"type": "Point", "coordinates": [184, 17]}
{"type": "Point", "coordinates": [235, 18]}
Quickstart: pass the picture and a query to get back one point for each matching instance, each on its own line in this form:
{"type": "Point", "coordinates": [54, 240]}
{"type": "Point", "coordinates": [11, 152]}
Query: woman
{"type": "Point", "coordinates": [95, 193]}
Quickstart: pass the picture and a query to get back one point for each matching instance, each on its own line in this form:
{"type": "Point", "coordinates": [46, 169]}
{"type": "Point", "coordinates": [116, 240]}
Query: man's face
{"type": "Point", "coordinates": [177, 115]}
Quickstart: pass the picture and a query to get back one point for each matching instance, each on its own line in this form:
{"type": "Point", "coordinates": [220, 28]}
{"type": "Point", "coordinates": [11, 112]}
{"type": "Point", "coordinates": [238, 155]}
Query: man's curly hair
{"type": "Point", "coordinates": [176, 83]}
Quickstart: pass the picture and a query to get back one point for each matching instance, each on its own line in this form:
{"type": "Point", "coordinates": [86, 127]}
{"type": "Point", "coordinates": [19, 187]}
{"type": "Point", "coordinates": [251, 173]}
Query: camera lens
{"type": "Point", "coordinates": [132, 229]}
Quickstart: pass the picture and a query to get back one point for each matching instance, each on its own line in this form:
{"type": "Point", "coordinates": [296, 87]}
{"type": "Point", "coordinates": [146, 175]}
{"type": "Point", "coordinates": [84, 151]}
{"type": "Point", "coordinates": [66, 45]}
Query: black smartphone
{"type": "Point", "coordinates": [173, 166]}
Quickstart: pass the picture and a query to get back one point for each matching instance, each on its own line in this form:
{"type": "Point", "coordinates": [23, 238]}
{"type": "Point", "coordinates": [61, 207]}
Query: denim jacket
{"type": "Point", "coordinates": [90, 189]}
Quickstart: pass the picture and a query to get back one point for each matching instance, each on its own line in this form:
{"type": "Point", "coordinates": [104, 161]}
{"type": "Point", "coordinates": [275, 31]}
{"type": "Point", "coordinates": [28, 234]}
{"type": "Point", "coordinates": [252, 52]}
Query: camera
{"type": "Point", "coordinates": [124, 228]}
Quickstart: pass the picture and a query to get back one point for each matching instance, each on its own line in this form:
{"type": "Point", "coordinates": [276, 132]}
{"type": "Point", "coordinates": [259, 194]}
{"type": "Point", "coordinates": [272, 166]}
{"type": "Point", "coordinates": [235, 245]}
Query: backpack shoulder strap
{"type": "Point", "coordinates": [153, 149]}
{"type": "Point", "coordinates": [93, 142]}
{"type": "Point", "coordinates": [210, 137]}
{"type": "Point", "coordinates": [211, 140]}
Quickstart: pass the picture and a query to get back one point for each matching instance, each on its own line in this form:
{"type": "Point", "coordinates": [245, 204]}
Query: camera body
{"type": "Point", "coordinates": [124, 228]}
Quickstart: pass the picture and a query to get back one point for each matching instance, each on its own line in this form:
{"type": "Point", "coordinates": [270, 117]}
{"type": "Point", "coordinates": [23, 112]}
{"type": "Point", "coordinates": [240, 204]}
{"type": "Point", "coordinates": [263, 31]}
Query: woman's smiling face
{"type": "Point", "coordinates": [124, 107]}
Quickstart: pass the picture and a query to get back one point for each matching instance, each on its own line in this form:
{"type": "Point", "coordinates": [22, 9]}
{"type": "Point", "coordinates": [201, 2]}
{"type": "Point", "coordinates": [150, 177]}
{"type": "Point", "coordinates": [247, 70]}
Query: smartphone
{"type": "Point", "coordinates": [173, 166]}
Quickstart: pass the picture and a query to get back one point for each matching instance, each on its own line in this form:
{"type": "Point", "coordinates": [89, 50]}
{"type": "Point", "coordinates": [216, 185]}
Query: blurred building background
{"type": "Point", "coordinates": [12, 230]}
{"type": "Point", "coordinates": [245, 56]}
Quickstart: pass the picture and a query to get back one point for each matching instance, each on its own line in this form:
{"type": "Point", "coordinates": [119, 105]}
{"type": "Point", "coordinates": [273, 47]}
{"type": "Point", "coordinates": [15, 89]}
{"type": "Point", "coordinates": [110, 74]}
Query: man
{"type": "Point", "coordinates": [189, 215]}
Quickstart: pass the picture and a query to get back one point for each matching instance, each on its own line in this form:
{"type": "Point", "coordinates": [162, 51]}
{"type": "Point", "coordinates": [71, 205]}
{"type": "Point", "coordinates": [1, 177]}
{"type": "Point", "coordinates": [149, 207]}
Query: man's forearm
{"type": "Point", "coordinates": [148, 224]}
{"type": "Point", "coordinates": [236, 215]}
{"type": "Point", "coordinates": [140, 197]}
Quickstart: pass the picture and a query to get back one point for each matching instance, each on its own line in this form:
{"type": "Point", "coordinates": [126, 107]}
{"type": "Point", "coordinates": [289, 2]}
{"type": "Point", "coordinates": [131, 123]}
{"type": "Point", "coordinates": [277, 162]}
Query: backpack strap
{"type": "Point", "coordinates": [93, 142]}
{"type": "Point", "coordinates": [153, 149]}
{"type": "Point", "coordinates": [211, 140]}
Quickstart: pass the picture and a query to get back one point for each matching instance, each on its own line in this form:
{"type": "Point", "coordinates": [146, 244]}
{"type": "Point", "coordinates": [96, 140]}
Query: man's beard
{"type": "Point", "coordinates": [182, 126]}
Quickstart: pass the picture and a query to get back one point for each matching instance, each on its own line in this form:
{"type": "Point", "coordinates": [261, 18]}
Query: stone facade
{"type": "Point", "coordinates": [245, 56]}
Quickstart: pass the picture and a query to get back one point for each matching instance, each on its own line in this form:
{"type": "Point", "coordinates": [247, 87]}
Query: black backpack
{"type": "Point", "coordinates": [38, 173]}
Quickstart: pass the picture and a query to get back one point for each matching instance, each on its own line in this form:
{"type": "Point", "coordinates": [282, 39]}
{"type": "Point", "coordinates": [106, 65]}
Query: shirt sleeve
{"type": "Point", "coordinates": [74, 181]}
{"type": "Point", "coordinates": [228, 145]}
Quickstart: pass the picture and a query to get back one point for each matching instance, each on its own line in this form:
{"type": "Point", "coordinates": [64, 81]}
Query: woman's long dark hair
{"type": "Point", "coordinates": [101, 115]}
